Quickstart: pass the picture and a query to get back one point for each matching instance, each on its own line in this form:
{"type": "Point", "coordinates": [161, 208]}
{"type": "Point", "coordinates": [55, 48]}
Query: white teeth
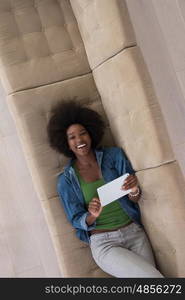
{"type": "Point", "coordinates": [80, 146]}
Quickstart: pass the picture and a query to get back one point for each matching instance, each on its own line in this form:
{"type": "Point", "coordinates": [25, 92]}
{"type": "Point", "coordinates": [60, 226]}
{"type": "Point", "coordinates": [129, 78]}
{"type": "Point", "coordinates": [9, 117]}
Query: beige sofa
{"type": "Point", "coordinates": [58, 49]}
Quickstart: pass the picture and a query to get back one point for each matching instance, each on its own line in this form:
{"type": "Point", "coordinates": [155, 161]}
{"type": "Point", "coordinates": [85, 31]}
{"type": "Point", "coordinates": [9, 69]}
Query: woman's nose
{"type": "Point", "coordinates": [79, 139]}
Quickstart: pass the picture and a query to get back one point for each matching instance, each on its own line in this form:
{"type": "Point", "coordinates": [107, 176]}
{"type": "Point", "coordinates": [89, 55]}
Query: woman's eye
{"type": "Point", "coordinates": [82, 133]}
{"type": "Point", "coordinates": [71, 137]}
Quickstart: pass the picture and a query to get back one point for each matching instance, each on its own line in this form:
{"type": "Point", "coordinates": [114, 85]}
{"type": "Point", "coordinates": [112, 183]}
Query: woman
{"type": "Point", "coordinates": [114, 232]}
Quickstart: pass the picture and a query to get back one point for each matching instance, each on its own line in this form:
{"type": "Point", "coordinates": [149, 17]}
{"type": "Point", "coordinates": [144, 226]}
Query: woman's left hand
{"type": "Point", "coordinates": [131, 182]}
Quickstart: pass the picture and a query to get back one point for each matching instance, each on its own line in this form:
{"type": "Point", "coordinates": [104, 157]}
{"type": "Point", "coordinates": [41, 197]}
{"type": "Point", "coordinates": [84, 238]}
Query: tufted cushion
{"type": "Point", "coordinates": [40, 43]}
{"type": "Point", "coordinates": [31, 109]}
{"type": "Point", "coordinates": [105, 28]}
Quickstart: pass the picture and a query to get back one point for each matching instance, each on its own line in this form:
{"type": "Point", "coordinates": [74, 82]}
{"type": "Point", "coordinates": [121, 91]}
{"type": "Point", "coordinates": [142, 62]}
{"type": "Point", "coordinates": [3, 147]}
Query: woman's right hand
{"type": "Point", "coordinates": [95, 207]}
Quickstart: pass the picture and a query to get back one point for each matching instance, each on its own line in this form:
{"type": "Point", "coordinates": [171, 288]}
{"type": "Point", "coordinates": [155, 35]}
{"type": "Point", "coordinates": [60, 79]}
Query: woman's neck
{"type": "Point", "coordinates": [86, 160]}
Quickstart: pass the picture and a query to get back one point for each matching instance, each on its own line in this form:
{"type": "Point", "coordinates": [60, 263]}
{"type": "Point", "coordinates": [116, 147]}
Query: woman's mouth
{"type": "Point", "coordinates": [81, 146]}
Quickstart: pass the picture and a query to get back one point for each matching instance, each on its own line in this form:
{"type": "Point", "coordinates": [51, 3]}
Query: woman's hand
{"type": "Point", "coordinates": [131, 182]}
{"type": "Point", "coordinates": [95, 207]}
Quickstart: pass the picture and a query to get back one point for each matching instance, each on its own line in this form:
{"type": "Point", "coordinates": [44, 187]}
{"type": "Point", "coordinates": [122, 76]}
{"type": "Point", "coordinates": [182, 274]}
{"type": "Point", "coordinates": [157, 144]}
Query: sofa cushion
{"type": "Point", "coordinates": [105, 28]}
{"type": "Point", "coordinates": [40, 43]}
{"type": "Point", "coordinates": [163, 214]}
{"type": "Point", "coordinates": [31, 109]}
{"type": "Point", "coordinates": [133, 110]}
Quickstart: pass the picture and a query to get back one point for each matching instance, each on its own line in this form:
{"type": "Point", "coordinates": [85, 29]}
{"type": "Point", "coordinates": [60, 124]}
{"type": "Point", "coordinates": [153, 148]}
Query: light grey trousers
{"type": "Point", "coordinates": [124, 253]}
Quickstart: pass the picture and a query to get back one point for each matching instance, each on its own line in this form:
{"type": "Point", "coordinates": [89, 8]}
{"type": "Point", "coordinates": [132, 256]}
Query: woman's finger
{"type": "Point", "coordinates": [130, 182]}
{"type": "Point", "coordinates": [130, 185]}
{"type": "Point", "coordinates": [130, 179]}
{"type": "Point", "coordinates": [94, 205]}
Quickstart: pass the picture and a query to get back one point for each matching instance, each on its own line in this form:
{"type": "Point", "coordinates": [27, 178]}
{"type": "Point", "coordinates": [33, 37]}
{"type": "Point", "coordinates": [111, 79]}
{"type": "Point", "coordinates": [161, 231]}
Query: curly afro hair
{"type": "Point", "coordinates": [66, 113]}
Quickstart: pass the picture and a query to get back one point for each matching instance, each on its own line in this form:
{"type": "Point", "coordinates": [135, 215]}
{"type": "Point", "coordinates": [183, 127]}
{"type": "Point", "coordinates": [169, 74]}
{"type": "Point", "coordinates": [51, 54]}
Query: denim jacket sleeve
{"type": "Point", "coordinates": [74, 208]}
{"type": "Point", "coordinates": [122, 163]}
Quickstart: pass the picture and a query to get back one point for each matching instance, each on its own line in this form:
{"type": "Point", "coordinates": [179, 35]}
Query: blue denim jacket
{"type": "Point", "coordinates": [113, 163]}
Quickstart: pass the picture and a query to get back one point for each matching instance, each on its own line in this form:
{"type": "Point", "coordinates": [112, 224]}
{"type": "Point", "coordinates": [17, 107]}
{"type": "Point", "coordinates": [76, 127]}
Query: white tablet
{"type": "Point", "coordinates": [112, 191]}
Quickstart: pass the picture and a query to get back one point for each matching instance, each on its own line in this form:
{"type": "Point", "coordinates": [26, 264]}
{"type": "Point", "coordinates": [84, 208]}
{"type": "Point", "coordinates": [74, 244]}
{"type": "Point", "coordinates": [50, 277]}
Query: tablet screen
{"type": "Point", "coordinates": [112, 191]}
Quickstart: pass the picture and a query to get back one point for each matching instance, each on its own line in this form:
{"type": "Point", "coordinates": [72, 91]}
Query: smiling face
{"type": "Point", "coordinates": [79, 140]}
